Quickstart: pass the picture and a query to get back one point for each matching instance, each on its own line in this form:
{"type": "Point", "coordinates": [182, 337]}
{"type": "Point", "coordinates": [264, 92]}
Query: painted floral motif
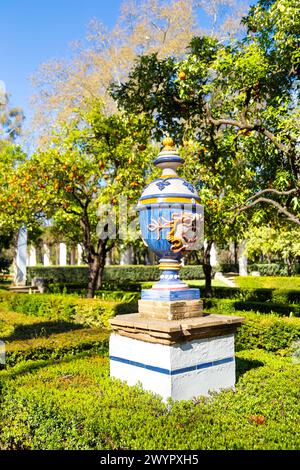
{"type": "Point", "coordinates": [158, 225]}
{"type": "Point", "coordinates": [162, 184]}
{"type": "Point", "coordinates": [184, 230]}
{"type": "Point", "coordinates": [189, 186]}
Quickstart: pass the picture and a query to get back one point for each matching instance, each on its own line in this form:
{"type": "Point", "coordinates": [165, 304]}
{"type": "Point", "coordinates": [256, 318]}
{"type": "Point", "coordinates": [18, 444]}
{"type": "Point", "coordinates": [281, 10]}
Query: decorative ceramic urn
{"type": "Point", "coordinates": [171, 220]}
{"type": "Point", "coordinates": [171, 346]}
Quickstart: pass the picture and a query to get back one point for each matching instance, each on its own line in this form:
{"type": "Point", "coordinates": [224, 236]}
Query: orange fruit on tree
{"type": "Point", "coordinates": [182, 75]}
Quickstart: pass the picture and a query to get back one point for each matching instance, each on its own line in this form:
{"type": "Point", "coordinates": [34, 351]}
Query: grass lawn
{"type": "Point", "coordinates": [272, 282]}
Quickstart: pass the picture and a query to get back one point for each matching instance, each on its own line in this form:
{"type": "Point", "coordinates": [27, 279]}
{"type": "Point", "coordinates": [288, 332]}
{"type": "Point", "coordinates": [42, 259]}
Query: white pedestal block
{"type": "Point", "coordinates": [180, 371]}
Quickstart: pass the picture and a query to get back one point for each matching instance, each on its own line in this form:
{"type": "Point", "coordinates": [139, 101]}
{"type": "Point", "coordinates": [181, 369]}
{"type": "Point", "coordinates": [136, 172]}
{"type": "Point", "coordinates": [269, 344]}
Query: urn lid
{"type": "Point", "coordinates": [169, 188]}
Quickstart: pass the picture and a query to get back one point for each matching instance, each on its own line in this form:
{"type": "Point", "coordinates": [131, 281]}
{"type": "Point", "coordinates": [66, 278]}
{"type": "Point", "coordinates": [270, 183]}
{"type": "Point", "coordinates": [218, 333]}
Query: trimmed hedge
{"type": "Point", "coordinates": [259, 331]}
{"type": "Point", "coordinates": [231, 305]}
{"type": "Point", "coordinates": [280, 296]}
{"type": "Point", "coordinates": [75, 405]}
{"type": "Point", "coordinates": [273, 269]}
{"type": "Point", "coordinates": [77, 275]}
{"type": "Point", "coordinates": [79, 341]}
{"type": "Point", "coordinates": [91, 312]}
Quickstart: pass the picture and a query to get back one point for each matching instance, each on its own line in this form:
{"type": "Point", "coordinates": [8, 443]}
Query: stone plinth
{"type": "Point", "coordinates": [175, 310]}
{"type": "Point", "coordinates": [180, 359]}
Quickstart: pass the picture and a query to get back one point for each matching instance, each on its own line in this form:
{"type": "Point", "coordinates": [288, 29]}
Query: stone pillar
{"type": "Point", "coordinates": [20, 258]}
{"type": "Point", "coordinates": [46, 256]}
{"type": "Point", "coordinates": [79, 254]}
{"type": "Point", "coordinates": [62, 254]}
{"type": "Point", "coordinates": [127, 256]}
{"type": "Point", "coordinates": [32, 256]}
{"type": "Point", "coordinates": [242, 258]}
{"type": "Point", "coordinates": [214, 255]}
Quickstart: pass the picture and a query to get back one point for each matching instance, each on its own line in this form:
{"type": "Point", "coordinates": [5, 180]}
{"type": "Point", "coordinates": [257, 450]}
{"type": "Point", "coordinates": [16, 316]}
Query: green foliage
{"type": "Point", "coordinates": [281, 296]}
{"type": "Point", "coordinates": [74, 405]}
{"type": "Point", "coordinates": [116, 274]}
{"type": "Point", "coordinates": [79, 341]}
{"type": "Point", "coordinates": [256, 282]}
{"type": "Point", "coordinates": [268, 332]}
{"type": "Point", "coordinates": [229, 305]}
{"type": "Point", "coordinates": [267, 241]}
{"type": "Point", "coordinates": [91, 312]}
{"type": "Point", "coordinates": [274, 269]}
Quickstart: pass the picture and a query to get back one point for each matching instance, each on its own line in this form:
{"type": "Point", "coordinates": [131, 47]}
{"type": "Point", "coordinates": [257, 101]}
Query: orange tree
{"type": "Point", "coordinates": [91, 160]}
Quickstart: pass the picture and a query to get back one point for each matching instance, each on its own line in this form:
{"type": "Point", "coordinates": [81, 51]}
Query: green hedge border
{"type": "Point", "coordinates": [116, 274]}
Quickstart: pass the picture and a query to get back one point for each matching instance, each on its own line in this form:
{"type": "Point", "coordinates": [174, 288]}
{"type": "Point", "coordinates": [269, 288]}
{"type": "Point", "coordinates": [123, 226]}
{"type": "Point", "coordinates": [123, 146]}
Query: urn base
{"type": "Point", "coordinates": [174, 359]}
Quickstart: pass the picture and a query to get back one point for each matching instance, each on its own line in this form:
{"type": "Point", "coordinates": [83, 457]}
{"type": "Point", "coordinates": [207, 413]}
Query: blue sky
{"type": "Point", "coordinates": [34, 31]}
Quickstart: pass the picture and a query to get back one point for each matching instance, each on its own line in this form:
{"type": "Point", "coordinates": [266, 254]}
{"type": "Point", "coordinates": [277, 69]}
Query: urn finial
{"type": "Point", "coordinates": [168, 143]}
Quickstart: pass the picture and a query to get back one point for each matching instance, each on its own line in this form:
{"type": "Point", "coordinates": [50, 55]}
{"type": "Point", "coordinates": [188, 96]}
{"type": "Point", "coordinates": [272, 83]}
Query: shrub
{"type": "Point", "coordinates": [268, 332]}
{"type": "Point", "coordinates": [74, 405]}
{"type": "Point", "coordinates": [229, 305]}
{"type": "Point", "coordinates": [58, 346]}
{"type": "Point", "coordinates": [119, 275]}
{"type": "Point", "coordinates": [274, 269]}
{"type": "Point", "coordinates": [93, 312]}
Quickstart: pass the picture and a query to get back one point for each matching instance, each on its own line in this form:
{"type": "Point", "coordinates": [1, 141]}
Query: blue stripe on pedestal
{"type": "Point", "coordinates": [167, 295]}
{"type": "Point", "coordinates": [183, 370]}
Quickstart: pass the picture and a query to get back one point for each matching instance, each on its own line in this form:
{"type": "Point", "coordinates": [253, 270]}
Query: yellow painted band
{"type": "Point", "coordinates": [168, 199]}
{"type": "Point", "coordinates": [169, 266]}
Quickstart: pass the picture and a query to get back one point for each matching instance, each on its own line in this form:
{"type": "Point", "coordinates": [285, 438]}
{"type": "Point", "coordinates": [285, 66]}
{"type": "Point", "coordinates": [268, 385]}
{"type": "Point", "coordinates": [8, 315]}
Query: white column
{"type": "Point", "coordinates": [127, 256]}
{"type": "Point", "coordinates": [20, 258]}
{"type": "Point", "coordinates": [32, 256]}
{"type": "Point", "coordinates": [62, 254]}
{"type": "Point", "coordinates": [79, 254]}
{"type": "Point", "coordinates": [46, 256]}
{"type": "Point", "coordinates": [243, 261]}
{"type": "Point", "coordinates": [213, 255]}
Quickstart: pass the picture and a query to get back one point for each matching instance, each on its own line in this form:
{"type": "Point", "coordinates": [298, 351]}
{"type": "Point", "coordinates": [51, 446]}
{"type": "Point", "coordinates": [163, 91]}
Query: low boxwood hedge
{"type": "Point", "coordinates": [75, 405]}
{"type": "Point", "coordinates": [77, 275]}
{"type": "Point", "coordinates": [267, 332]}
{"type": "Point", "coordinates": [282, 296]}
{"type": "Point", "coordinates": [274, 269]}
{"type": "Point", "coordinates": [91, 312]}
{"type": "Point", "coordinates": [231, 305]}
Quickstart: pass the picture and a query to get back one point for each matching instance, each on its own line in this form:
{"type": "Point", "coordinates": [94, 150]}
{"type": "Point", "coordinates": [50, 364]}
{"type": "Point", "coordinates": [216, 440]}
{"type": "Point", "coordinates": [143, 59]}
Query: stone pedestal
{"type": "Point", "coordinates": [170, 347]}
{"type": "Point", "coordinates": [178, 359]}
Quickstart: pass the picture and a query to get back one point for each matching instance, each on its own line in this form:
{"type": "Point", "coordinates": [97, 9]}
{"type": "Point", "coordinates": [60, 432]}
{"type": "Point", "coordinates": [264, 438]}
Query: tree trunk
{"type": "Point", "coordinates": [207, 268]}
{"type": "Point", "coordinates": [101, 271]}
{"type": "Point", "coordinates": [94, 268]}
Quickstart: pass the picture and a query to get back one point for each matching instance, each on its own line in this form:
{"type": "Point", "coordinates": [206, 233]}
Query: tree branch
{"type": "Point", "coordinates": [268, 190]}
{"type": "Point", "coordinates": [247, 126]}
{"type": "Point", "coordinates": [276, 204]}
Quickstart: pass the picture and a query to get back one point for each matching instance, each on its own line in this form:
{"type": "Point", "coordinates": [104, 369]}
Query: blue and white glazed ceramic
{"type": "Point", "coordinates": [171, 220]}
